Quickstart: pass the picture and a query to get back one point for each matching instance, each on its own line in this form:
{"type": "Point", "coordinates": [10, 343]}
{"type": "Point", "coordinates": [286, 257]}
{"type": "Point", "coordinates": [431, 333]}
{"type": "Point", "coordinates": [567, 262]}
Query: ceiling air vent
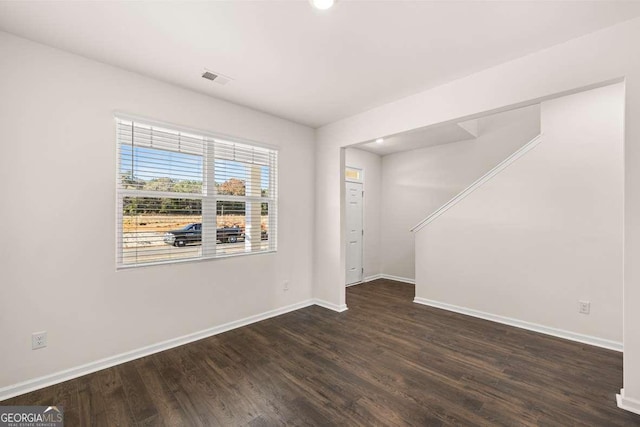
{"type": "Point", "coordinates": [216, 77]}
{"type": "Point", "coordinates": [209, 76]}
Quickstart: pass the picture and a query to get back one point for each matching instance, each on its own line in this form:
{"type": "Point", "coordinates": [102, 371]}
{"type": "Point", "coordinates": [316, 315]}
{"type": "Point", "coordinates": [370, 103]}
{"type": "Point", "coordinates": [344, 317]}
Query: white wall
{"type": "Point", "coordinates": [418, 182]}
{"type": "Point", "coordinates": [57, 180]}
{"type": "Point", "coordinates": [589, 60]}
{"type": "Point", "coordinates": [371, 164]}
{"type": "Point", "coordinates": [544, 233]}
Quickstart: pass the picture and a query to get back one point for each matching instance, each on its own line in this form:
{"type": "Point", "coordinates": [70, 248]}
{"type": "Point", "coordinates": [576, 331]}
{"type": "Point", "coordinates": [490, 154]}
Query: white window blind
{"type": "Point", "coordinates": [185, 196]}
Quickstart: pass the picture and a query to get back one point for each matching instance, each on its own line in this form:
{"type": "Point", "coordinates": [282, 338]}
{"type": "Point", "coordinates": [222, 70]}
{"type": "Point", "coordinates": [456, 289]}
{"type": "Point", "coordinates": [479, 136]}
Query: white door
{"type": "Point", "coordinates": [354, 232]}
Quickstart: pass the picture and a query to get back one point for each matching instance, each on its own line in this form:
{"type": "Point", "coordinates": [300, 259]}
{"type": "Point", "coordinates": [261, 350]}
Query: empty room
{"type": "Point", "coordinates": [320, 212]}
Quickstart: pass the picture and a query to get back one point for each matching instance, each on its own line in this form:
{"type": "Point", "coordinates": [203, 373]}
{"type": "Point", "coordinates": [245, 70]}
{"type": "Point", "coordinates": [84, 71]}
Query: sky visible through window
{"type": "Point", "coordinates": [149, 163]}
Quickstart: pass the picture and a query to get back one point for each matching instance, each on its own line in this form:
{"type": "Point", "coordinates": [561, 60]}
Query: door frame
{"type": "Point", "coordinates": [359, 179]}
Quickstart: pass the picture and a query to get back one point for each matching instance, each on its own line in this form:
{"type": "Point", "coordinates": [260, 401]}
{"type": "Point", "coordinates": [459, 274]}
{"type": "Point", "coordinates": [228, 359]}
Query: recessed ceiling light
{"type": "Point", "coordinates": [379, 140]}
{"type": "Point", "coordinates": [322, 4]}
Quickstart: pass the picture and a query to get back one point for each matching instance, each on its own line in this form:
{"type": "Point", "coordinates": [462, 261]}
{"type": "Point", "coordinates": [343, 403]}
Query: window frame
{"type": "Point", "coordinates": [208, 194]}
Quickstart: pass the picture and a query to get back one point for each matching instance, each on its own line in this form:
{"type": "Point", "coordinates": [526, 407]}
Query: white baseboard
{"type": "Point", "coordinates": [398, 279]}
{"type": "Point", "coordinates": [383, 276]}
{"type": "Point", "coordinates": [78, 371]}
{"type": "Point", "coordinates": [560, 333]}
{"type": "Point", "coordinates": [355, 283]}
{"type": "Point", "coordinates": [628, 404]}
{"type": "Point", "coordinates": [365, 280]}
{"type": "Point", "coordinates": [330, 305]}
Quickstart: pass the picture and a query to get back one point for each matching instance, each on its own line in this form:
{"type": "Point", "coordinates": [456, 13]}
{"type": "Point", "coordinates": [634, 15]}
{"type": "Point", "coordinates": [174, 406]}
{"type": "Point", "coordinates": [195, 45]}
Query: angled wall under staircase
{"type": "Point", "coordinates": [542, 233]}
{"type": "Point", "coordinates": [416, 183]}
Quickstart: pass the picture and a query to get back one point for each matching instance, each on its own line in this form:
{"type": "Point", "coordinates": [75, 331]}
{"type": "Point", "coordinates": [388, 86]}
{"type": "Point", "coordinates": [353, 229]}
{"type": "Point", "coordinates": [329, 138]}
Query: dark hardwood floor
{"type": "Point", "coordinates": [386, 361]}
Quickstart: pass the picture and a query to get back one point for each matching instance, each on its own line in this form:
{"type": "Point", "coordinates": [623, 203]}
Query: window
{"type": "Point", "coordinates": [184, 196]}
{"type": "Point", "coordinates": [353, 174]}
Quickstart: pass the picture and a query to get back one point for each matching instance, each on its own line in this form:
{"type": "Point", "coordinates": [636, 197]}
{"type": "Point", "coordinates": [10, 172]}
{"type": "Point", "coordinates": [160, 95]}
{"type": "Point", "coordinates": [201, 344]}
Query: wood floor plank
{"type": "Point", "coordinates": [91, 404]}
{"type": "Point", "coordinates": [117, 408]}
{"type": "Point", "coordinates": [167, 406]}
{"type": "Point", "coordinates": [135, 389]}
{"type": "Point", "coordinates": [66, 395]}
{"type": "Point", "coordinates": [385, 361]}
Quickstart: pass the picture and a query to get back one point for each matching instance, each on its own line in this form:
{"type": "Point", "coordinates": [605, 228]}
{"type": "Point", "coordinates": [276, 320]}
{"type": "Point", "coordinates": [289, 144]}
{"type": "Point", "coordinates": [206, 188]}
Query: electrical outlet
{"type": "Point", "coordinates": [285, 285]}
{"type": "Point", "coordinates": [584, 307]}
{"type": "Point", "coordinates": [38, 340]}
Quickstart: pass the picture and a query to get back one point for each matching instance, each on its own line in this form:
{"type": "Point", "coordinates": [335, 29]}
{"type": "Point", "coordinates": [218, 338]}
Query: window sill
{"type": "Point", "coordinates": [192, 260]}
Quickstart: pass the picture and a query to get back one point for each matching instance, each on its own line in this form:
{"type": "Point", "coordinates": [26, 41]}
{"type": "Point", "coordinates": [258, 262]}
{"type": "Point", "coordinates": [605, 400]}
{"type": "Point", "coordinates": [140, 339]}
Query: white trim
{"type": "Point", "coordinates": [355, 284]}
{"type": "Point", "coordinates": [384, 276]}
{"type": "Point", "coordinates": [361, 183]}
{"type": "Point", "coordinates": [560, 333]}
{"type": "Point", "coordinates": [78, 371]}
{"type": "Point", "coordinates": [330, 305]}
{"type": "Point", "coordinates": [365, 280]}
{"type": "Point", "coordinates": [398, 279]}
{"type": "Point", "coordinates": [198, 259]}
{"type": "Point", "coordinates": [486, 177]}
{"type": "Point", "coordinates": [628, 404]}
{"type": "Point", "coordinates": [371, 278]}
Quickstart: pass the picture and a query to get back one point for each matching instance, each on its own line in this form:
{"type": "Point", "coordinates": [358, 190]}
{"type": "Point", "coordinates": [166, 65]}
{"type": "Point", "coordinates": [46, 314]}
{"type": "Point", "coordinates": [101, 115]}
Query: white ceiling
{"type": "Point", "coordinates": [309, 66]}
{"type": "Point", "coordinates": [418, 138]}
{"type": "Point", "coordinates": [446, 133]}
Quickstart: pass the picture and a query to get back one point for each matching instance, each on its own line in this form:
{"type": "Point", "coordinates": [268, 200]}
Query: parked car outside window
{"type": "Point", "coordinates": [192, 234]}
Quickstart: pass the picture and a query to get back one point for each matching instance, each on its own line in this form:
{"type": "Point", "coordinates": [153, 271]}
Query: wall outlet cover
{"type": "Point", "coordinates": [584, 307]}
{"type": "Point", "coordinates": [38, 340]}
